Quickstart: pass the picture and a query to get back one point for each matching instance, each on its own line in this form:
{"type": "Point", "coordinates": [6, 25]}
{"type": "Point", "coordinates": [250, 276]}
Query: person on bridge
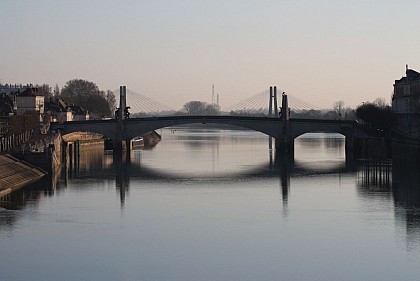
{"type": "Point", "coordinates": [117, 113]}
{"type": "Point", "coordinates": [126, 113]}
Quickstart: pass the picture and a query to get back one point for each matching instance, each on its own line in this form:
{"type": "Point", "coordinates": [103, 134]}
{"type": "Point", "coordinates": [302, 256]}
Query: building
{"type": "Point", "coordinates": [20, 100]}
{"type": "Point", "coordinates": [30, 101]}
{"type": "Point", "coordinates": [60, 111]}
{"type": "Point", "coordinates": [79, 114]}
{"type": "Point", "coordinates": [406, 104]}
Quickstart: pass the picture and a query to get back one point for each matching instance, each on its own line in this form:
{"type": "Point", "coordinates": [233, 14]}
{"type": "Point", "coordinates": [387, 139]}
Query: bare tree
{"type": "Point", "coordinates": [56, 91]}
{"type": "Point", "coordinates": [194, 107]}
{"type": "Point", "coordinates": [380, 102]}
{"type": "Point", "coordinates": [339, 107]}
{"type": "Point", "coordinates": [110, 97]}
{"type": "Point", "coordinates": [201, 108]}
{"type": "Point", "coordinates": [45, 90]}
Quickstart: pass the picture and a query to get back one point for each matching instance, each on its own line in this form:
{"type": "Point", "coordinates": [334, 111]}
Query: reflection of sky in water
{"type": "Point", "coordinates": [320, 151]}
{"type": "Point", "coordinates": [206, 152]}
{"type": "Point", "coordinates": [236, 151]}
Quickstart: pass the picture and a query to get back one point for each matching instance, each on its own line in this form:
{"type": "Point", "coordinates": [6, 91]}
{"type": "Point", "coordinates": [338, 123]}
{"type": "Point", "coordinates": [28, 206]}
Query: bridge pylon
{"type": "Point", "coordinates": [120, 142]}
{"type": "Point", "coordinates": [285, 110]}
{"type": "Point", "coordinates": [273, 103]}
{"type": "Point", "coordinates": [273, 109]}
{"type": "Point", "coordinates": [123, 101]}
{"type": "Point", "coordinates": [284, 143]}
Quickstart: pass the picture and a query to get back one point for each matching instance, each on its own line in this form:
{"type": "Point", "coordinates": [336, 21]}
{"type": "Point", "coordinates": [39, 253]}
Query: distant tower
{"type": "Point", "coordinates": [217, 100]}
{"type": "Point", "coordinates": [212, 95]}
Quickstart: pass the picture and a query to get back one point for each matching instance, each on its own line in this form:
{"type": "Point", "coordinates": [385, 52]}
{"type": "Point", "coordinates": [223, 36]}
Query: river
{"type": "Point", "coordinates": [217, 205]}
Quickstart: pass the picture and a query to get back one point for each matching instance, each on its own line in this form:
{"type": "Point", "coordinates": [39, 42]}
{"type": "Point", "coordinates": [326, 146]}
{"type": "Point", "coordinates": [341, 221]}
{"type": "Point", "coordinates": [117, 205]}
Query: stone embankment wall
{"type": "Point", "coordinates": [17, 137]}
{"type": "Point", "coordinates": [15, 174]}
{"type": "Point", "coordinates": [151, 138]}
{"type": "Point", "coordinates": [74, 142]}
{"type": "Point", "coordinates": [42, 151]}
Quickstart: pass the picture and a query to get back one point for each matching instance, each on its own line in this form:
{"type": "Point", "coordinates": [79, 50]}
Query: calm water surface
{"type": "Point", "coordinates": [217, 205]}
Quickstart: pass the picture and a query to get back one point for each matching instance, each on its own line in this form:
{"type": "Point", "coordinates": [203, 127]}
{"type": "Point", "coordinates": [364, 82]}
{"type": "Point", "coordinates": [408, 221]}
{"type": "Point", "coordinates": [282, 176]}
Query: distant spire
{"type": "Point", "coordinates": [406, 67]}
{"type": "Point", "coordinates": [212, 94]}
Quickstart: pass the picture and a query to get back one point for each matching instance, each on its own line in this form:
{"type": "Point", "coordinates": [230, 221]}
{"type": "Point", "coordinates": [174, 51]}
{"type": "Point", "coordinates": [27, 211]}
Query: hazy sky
{"type": "Point", "coordinates": [317, 50]}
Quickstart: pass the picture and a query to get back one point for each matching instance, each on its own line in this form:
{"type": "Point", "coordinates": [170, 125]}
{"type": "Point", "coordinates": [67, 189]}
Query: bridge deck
{"type": "Point", "coordinates": [211, 117]}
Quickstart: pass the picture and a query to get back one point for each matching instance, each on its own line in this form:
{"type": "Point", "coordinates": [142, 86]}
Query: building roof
{"type": "Point", "coordinates": [58, 105]}
{"type": "Point", "coordinates": [411, 75]}
{"type": "Point", "coordinates": [13, 88]}
{"type": "Point", "coordinates": [29, 92]}
{"type": "Point", "coordinates": [77, 110]}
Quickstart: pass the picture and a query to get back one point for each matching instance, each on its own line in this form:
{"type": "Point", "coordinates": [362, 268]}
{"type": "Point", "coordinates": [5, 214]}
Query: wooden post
{"type": "Point", "coordinates": [270, 105]}
{"type": "Point", "coordinates": [70, 155]}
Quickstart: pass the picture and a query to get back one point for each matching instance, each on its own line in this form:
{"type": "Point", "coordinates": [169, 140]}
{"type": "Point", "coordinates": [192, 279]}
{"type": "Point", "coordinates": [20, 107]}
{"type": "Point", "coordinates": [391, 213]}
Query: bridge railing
{"type": "Point", "coordinates": [15, 130]}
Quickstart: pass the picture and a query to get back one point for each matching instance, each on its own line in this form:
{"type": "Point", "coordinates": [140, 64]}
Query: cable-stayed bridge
{"type": "Point", "coordinates": [140, 103]}
{"type": "Point", "coordinates": [260, 101]}
{"type": "Point", "coordinates": [145, 105]}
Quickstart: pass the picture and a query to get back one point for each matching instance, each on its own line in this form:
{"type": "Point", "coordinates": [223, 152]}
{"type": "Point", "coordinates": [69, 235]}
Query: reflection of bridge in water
{"type": "Point", "coordinates": [403, 191]}
{"type": "Point", "coordinates": [142, 171]}
{"type": "Point", "coordinates": [398, 182]}
{"type": "Point", "coordinates": [123, 172]}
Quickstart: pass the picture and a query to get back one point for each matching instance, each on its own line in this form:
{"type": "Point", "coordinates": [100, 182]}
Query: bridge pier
{"type": "Point", "coordinates": [285, 147]}
{"type": "Point", "coordinates": [284, 163]}
{"type": "Point", "coordinates": [349, 149]}
{"type": "Point", "coordinates": [120, 146]}
{"type": "Point", "coordinates": [122, 181]}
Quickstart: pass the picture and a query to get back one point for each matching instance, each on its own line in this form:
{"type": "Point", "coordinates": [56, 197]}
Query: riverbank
{"type": "Point", "coordinates": [43, 155]}
{"type": "Point", "coordinates": [15, 174]}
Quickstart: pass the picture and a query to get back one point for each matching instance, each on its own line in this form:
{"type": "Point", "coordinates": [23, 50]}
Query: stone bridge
{"type": "Point", "coordinates": [283, 131]}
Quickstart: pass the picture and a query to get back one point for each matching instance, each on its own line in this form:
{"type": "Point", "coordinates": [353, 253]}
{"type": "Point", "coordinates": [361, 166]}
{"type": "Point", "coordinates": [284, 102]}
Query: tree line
{"type": "Point", "coordinates": [377, 115]}
{"type": "Point", "coordinates": [85, 94]}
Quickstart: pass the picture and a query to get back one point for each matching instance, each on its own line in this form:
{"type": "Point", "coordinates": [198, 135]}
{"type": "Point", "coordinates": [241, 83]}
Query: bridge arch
{"type": "Point", "coordinates": [303, 126]}
{"type": "Point", "coordinates": [136, 127]}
